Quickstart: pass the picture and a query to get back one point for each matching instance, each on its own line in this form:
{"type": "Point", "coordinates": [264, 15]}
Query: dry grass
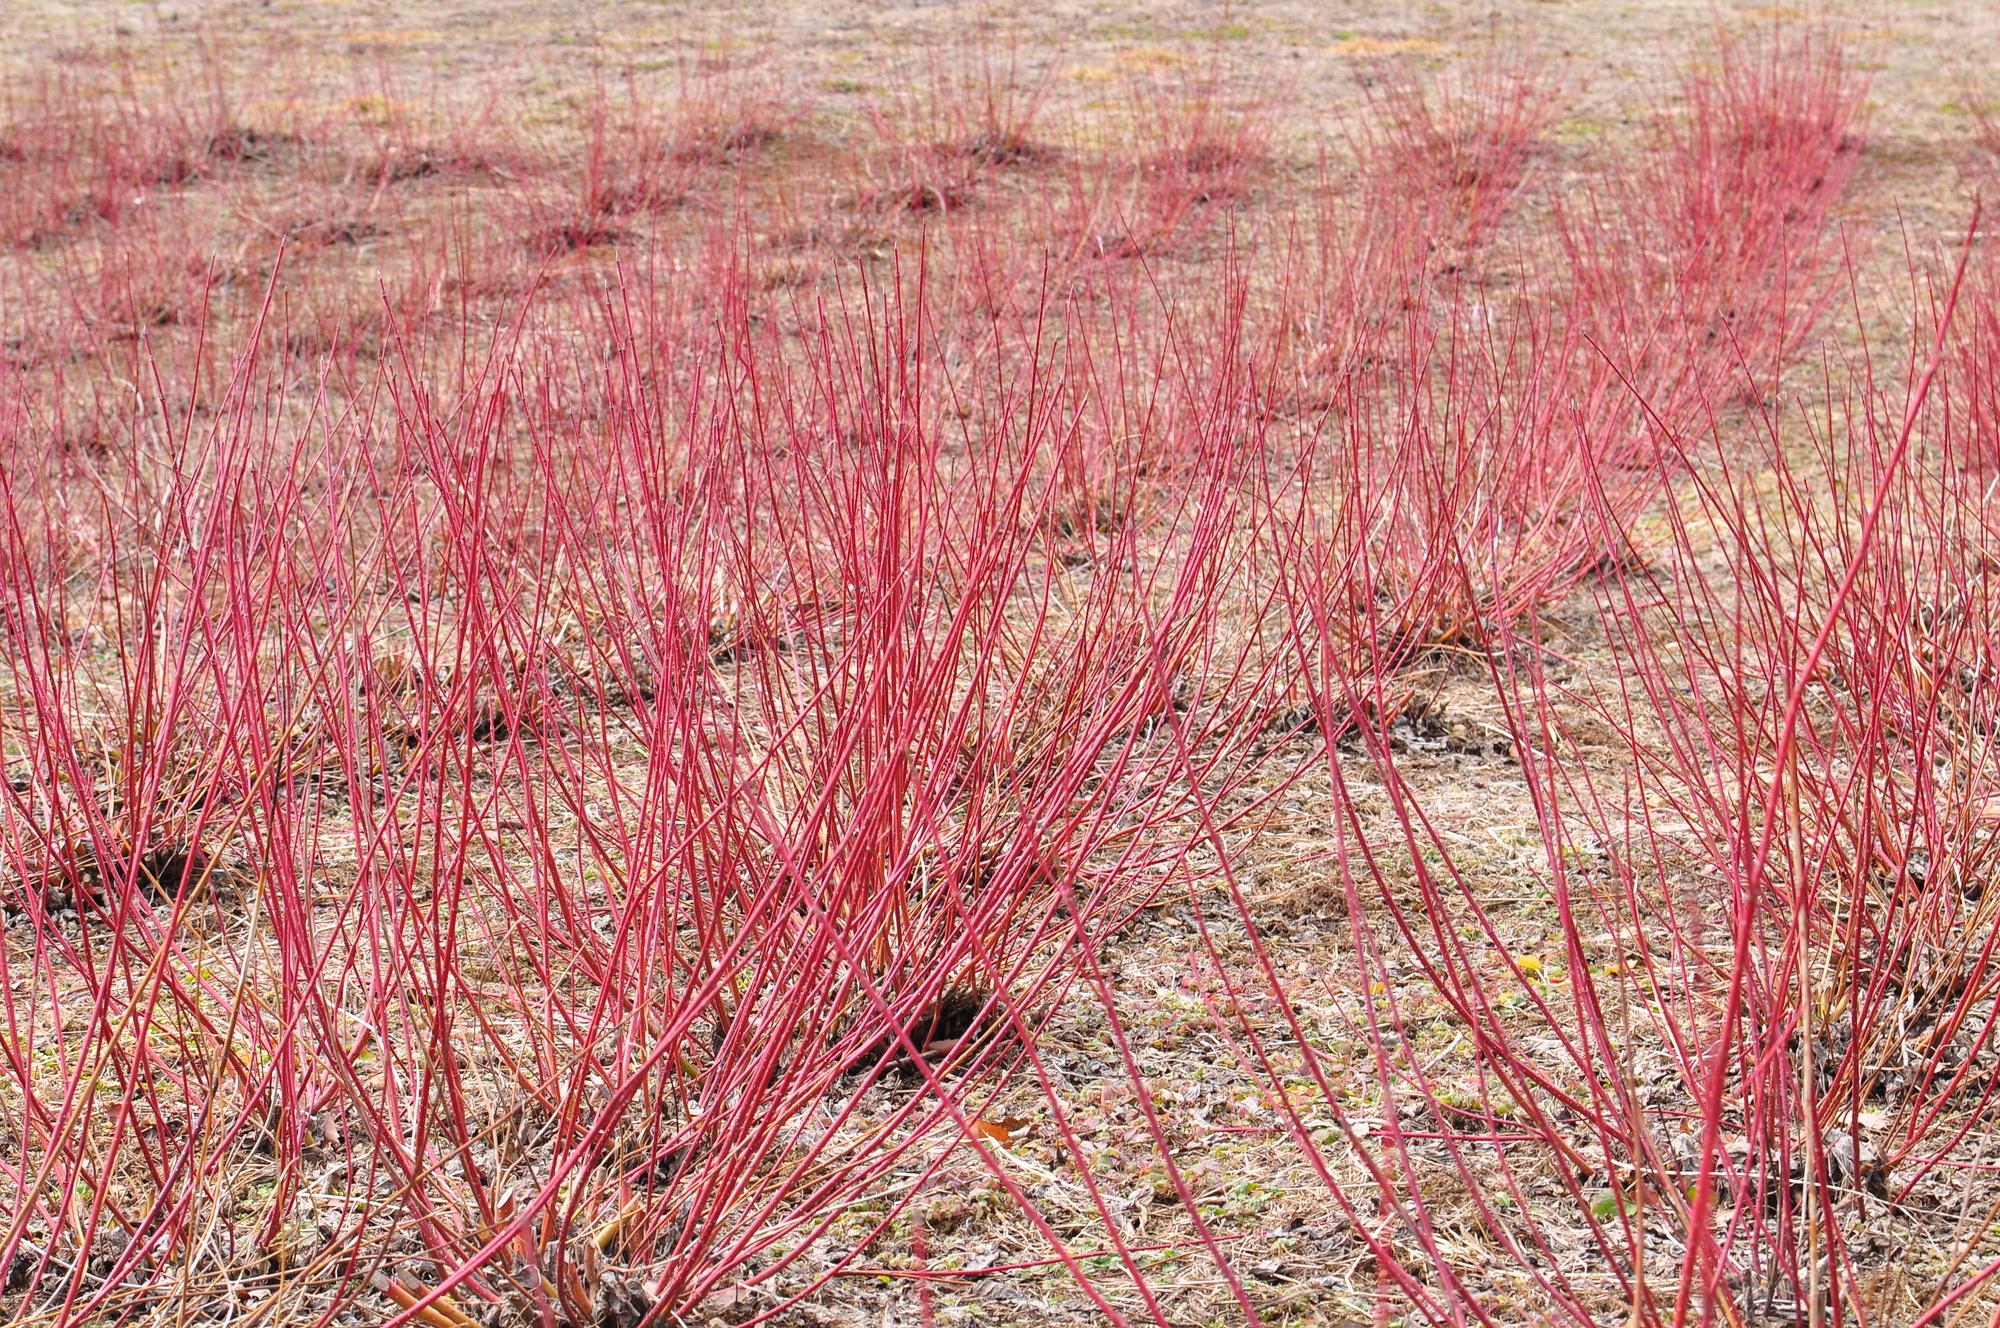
{"type": "Point", "coordinates": [974, 674]}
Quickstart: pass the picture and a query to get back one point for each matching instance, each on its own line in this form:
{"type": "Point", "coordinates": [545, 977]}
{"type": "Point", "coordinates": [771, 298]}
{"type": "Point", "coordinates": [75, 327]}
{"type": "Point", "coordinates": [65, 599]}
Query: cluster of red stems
{"type": "Point", "coordinates": [499, 766]}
